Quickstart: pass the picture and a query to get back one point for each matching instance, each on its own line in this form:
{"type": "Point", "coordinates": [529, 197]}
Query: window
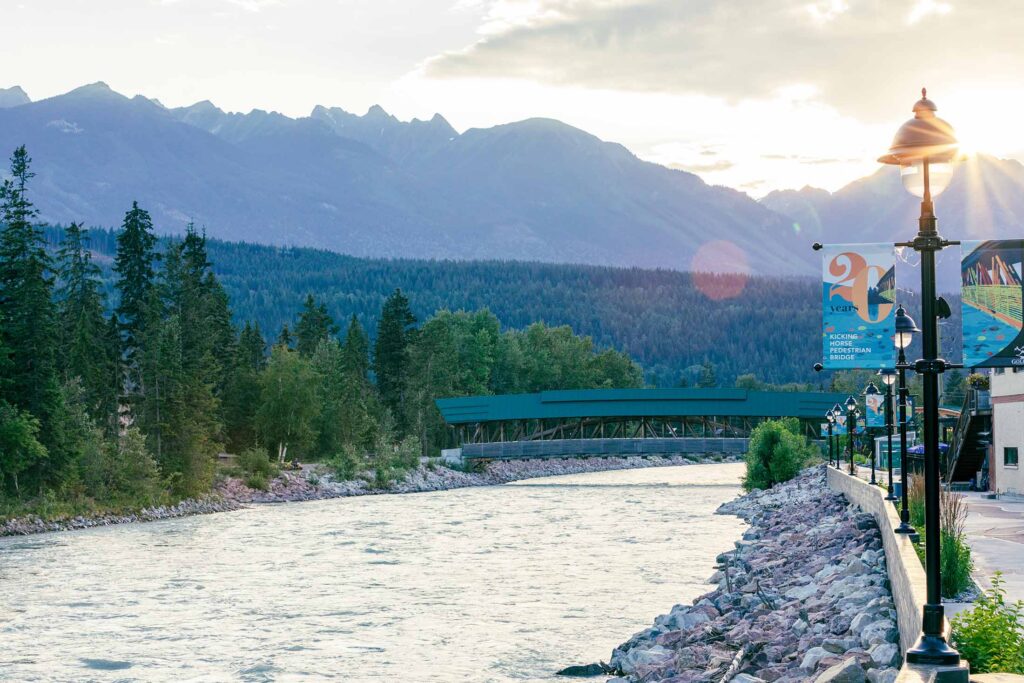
{"type": "Point", "coordinates": [1010, 456]}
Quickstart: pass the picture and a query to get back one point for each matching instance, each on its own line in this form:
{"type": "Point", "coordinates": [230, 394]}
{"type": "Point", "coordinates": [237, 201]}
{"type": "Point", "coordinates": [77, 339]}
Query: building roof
{"type": "Point", "coordinates": [638, 403]}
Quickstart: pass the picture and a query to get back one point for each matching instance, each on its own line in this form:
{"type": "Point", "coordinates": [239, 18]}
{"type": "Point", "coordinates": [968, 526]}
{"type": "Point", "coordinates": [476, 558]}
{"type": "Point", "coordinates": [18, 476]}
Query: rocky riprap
{"type": "Point", "coordinates": [803, 597]}
{"type": "Point", "coordinates": [313, 483]}
{"type": "Point", "coordinates": [23, 526]}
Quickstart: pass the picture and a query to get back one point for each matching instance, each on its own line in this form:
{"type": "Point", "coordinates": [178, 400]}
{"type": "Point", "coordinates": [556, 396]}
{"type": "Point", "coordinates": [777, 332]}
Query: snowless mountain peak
{"type": "Point", "coordinates": [14, 96]}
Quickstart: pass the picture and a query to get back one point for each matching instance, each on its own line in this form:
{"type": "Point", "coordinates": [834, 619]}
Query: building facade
{"type": "Point", "coordinates": [1005, 475]}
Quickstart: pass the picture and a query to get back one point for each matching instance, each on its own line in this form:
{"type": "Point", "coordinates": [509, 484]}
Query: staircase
{"type": "Point", "coordinates": [969, 445]}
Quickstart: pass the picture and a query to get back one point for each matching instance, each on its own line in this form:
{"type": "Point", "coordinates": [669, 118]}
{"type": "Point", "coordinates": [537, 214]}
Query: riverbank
{"type": "Point", "coordinates": [803, 597]}
{"type": "Point", "coordinates": [314, 483]}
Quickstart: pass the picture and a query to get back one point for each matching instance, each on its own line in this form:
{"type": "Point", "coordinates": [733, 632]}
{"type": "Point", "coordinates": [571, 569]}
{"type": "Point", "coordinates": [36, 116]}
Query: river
{"type": "Point", "coordinates": [501, 583]}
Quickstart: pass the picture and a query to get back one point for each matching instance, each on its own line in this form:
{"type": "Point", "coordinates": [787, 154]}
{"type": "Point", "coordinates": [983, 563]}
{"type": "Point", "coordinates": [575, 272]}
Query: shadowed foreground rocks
{"type": "Point", "coordinates": [803, 597]}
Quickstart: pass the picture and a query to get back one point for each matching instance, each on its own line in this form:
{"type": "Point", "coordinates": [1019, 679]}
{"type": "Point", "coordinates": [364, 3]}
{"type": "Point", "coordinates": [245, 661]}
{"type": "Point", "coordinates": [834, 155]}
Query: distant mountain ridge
{"type": "Point", "coordinates": [375, 186]}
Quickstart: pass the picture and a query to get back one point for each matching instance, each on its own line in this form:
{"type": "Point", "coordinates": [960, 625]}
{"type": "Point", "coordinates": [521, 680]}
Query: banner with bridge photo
{"type": "Point", "coordinates": [858, 303]}
{"type": "Point", "coordinates": [875, 409]}
{"type": "Point", "coordinates": [991, 290]}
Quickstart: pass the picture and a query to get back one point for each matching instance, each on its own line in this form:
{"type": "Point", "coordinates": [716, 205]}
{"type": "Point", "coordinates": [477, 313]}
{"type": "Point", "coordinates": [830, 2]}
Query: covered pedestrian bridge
{"type": "Point", "coordinates": [623, 421]}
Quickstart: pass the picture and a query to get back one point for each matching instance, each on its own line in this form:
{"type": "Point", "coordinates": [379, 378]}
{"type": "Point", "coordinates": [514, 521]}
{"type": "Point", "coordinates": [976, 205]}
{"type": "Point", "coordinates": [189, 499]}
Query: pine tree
{"type": "Point", "coordinates": [314, 324]}
{"type": "Point", "coordinates": [707, 378]}
{"type": "Point", "coordinates": [134, 265]}
{"type": "Point", "coordinates": [355, 352]}
{"type": "Point", "coordinates": [285, 338]}
{"type": "Point", "coordinates": [81, 324]}
{"type": "Point", "coordinates": [27, 308]}
{"type": "Point", "coordinates": [391, 353]}
{"type": "Point", "coordinates": [242, 396]}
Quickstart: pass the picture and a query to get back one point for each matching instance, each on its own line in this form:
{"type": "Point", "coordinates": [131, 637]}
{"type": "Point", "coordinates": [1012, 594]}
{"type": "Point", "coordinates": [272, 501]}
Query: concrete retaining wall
{"type": "Point", "coordinates": [909, 588]}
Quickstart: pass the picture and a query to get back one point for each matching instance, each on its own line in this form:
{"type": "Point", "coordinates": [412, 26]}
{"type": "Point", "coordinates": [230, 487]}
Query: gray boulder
{"type": "Point", "coordinates": [848, 671]}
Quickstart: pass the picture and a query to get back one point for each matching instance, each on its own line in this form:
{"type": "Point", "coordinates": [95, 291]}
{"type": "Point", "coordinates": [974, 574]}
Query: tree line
{"type": "Point", "coordinates": [121, 388]}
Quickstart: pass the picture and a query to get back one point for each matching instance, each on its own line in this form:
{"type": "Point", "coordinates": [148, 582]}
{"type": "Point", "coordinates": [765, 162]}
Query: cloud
{"type": "Point", "coordinates": [721, 165]}
{"type": "Point", "coordinates": [864, 57]}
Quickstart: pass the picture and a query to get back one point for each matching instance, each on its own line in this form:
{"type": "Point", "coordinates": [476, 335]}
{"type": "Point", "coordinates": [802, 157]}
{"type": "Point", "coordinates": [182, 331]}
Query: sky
{"type": "Point", "coordinates": [754, 94]}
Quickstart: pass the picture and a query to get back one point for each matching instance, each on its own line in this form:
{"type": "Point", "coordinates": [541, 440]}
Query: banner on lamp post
{"type": "Point", "coordinates": [858, 304]}
{"type": "Point", "coordinates": [991, 290]}
{"type": "Point", "coordinates": [875, 406]}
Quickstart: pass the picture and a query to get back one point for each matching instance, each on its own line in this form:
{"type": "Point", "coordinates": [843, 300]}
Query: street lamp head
{"type": "Point", "coordinates": [837, 410]}
{"type": "Point", "coordinates": [888, 376]}
{"type": "Point", "coordinates": [871, 389]}
{"type": "Point", "coordinates": [851, 404]}
{"type": "Point", "coordinates": [830, 417]}
{"type": "Point", "coordinates": [906, 328]}
{"type": "Point", "coordinates": [924, 148]}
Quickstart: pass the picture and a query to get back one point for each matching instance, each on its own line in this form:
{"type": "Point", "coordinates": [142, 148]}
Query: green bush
{"type": "Point", "coordinates": [991, 635]}
{"type": "Point", "coordinates": [347, 463]}
{"type": "Point", "coordinates": [257, 480]}
{"type": "Point", "coordinates": [776, 453]}
{"type": "Point", "coordinates": [256, 460]}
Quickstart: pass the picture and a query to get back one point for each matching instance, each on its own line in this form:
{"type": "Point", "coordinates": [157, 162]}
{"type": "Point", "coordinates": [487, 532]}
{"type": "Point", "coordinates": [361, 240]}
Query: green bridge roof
{"type": "Point", "coordinates": [638, 403]}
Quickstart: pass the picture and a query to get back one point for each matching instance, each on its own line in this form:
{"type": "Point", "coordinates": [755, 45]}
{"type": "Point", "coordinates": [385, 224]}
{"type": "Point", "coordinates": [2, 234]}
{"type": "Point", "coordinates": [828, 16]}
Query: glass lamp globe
{"type": "Point", "coordinates": [925, 148]}
{"type": "Point", "coordinates": [888, 376]}
{"type": "Point", "coordinates": [939, 175]}
{"type": "Point", "coordinates": [851, 404]}
{"type": "Point", "coordinates": [905, 329]}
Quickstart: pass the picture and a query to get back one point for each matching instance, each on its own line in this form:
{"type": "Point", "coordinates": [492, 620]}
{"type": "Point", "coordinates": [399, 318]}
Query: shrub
{"type": "Point", "coordinates": [776, 453]}
{"type": "Point", "coordinates": [347, 463]}
{"type": "Point", "coordinates": [255, 462]}
{"type": "Point", "coordinates": [991, 635]}
{"type": "Point", "coordinates": [257, 480]}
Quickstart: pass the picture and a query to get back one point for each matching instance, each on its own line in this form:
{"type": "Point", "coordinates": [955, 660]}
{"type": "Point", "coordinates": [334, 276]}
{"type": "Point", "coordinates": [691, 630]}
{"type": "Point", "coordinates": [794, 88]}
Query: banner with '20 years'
{"type": "Point", "coordinates": [859, 311]}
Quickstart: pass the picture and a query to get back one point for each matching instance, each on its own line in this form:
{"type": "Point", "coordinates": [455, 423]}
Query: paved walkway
{"type": "Point", "coordinates": [995, 532]}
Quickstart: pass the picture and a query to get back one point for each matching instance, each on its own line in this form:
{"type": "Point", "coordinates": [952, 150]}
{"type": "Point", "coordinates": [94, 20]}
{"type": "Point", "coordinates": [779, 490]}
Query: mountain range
{"type": "Point", "coordinates": [375, 186]}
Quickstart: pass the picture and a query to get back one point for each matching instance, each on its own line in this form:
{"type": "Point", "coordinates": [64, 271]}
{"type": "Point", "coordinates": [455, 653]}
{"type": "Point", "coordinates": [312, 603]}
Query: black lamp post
{"type": "Point", "coordinates": [888, 376]}
{"type": "Point", "coordinates": [870, 390]}
{"type": "Point", "coordinates": [906, 328]}
{"type": "Point", "coordinates": [924, 148]}
{"type": "Point", "coordinates": [830, 418]}
{"type": "Point", "coordinates": [837, 411]}
{"type": "Point", "coordinates": [851, 425]}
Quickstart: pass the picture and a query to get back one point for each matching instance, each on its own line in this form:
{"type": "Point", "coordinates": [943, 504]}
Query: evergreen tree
{"type": "Point", "coordinates": [134, 264]}
{"type": "Point", "coordinates": [314, 325]}
{"type": "Point", "coordinates": [391, 353]}
{"type": "Point", "coordinates": [707, 379]}
{"type": "Point", "coordinates": [27, 308]}
{"type": "Point", "coordinates": [109, 409]}
{"type": "Point", "coordinates": [355, 352]}
{"type": "Point", "coordinates": [81, 324]}
{"type": "Point", "coordinates": [953, 388]}
{"type": "Point", "coordinates": [285, 337]}
{"type": "Point", "coordinates": [20, 449]}
{"type": "Point", "coordinates": [242, 397]}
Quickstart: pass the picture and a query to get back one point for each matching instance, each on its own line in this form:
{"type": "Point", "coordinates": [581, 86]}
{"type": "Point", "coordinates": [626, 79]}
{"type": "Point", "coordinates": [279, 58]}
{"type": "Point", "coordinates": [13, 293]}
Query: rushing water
{"type": "Point", "coordinates": [503, 583]}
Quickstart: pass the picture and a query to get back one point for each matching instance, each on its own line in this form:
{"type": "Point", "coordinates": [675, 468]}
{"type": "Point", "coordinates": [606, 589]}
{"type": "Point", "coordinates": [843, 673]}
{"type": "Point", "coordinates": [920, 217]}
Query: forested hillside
{"type": "Point", "coordinates": [666, 320]}
{"type": "Point", "coordinates": [120, 394]}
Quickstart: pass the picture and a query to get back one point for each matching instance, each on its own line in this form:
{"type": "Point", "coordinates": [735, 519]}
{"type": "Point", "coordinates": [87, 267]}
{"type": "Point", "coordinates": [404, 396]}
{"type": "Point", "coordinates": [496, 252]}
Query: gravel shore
{"type": "Point", "coordinates": [313, 484]}
{"type": "Point", "coordinates": [803, 597]}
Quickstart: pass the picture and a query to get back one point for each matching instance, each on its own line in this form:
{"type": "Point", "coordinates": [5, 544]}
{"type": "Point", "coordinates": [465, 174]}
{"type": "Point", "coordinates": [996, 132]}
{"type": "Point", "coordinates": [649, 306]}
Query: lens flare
{"type": "Point", "coordinates": [720, 270]}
